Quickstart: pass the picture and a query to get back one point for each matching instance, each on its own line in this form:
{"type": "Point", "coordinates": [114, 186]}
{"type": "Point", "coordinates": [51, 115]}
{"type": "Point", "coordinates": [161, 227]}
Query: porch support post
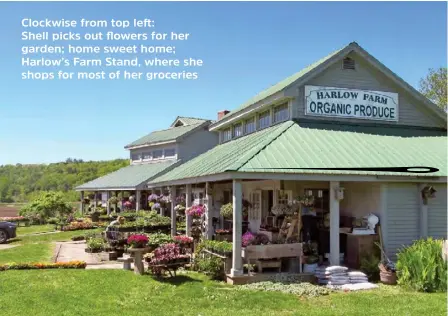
{"type": "Point", "coordinates": [95, 199]}
{"type": "Point", "coordinates": [161, 210]}
{"type": "Point", "coordinates": [107, 202]}
{"type": "Point", "coordinates": [334, 223]}
{"type": "Point", "coordinates": [138, 197]}
{"type": "Point", "coordinates": [423, 213]}
{"type": "Point", "coordinates": [208, 203]}
{"type": "Point", "coordinates": [121, 201]}
{"type": "Point", "coordinates": [237, 266]}
{"type": "Point", "coordinates": [116, 204]}
{"type": "Point", "coordinates": [187, 205]}
{"type": "Point", "coordinates": [82, 202]}
{"type": "Point", "coordinates": [173, 211]}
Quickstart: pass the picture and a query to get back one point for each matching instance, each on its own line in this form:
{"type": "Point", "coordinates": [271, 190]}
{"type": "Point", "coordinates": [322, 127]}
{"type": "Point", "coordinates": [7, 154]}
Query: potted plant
{"type": "Point", "coordinates": [94, 245]}
{"type": "Point", "coordinates": [138, 241]}
{"type": "Point", "coordinates": [227, 211]}
{"type": "Point", "coordinates": [196, 211]}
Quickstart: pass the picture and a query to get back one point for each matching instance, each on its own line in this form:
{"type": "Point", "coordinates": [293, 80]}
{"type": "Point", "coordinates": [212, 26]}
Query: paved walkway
{"type": "Point", "coordinates": [75, 250]}
{"type": "Point", "coordinates": [8, 246]}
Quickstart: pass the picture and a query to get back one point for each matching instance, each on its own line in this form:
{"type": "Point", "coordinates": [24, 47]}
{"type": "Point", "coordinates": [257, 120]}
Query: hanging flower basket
{"type": "Point", "coordinates": [196, 211]}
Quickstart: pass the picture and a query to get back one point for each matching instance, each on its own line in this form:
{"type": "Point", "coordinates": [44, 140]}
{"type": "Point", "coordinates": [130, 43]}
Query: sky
{"type": "Point", "coordinates": [246, 47]}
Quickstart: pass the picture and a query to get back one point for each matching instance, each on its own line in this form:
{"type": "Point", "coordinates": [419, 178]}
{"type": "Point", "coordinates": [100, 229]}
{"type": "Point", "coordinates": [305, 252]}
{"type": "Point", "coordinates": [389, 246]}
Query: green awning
{"type": "Point", "coordinates": [128, 177]}
{"type": "Point", "coordinates": [289, 145]}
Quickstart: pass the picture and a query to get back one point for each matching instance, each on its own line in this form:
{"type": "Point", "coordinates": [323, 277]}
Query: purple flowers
{"type": "Point", "coordinates": [196, 210]}
{"type": "Point", "coordinates": [153, 198]}
{"type": "Point", "coordinates": [155, 207]}
{"type": "Point", "coordinates": [247, 239]}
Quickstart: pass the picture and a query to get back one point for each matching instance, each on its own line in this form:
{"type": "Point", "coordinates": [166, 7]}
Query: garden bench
{"type": "Point", "coordinates": [126, 262]}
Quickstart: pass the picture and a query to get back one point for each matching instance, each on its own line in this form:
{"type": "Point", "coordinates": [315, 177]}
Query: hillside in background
{"type": "Point", "coordinates": [21, 183]}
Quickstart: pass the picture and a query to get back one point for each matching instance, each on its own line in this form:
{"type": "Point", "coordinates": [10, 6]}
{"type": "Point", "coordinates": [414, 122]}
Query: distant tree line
{"type": "Point", "coordinates": [22, 183]}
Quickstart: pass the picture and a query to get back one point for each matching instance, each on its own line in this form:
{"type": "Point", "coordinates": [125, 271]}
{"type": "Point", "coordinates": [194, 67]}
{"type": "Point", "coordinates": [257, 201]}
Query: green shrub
{"type": "Point", "coordinates": [53, 220]}
{"type": "Point", "coordinates": [421, 266]}
{"type": "Point", "coordinates": [95, 243]}
{"type": "Point", "coordinates": [211, 266]}
{"type": "Point", "coordinates": [158, 239]}
{"type": "Point", "coordinates": [369, 263]}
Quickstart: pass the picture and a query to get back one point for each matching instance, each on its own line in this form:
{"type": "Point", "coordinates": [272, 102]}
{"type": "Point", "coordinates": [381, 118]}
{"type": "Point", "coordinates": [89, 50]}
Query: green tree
{"type": "Point", "coordinates": [434, 86]}
{"type": "Point", "coordinates": [48, 204]}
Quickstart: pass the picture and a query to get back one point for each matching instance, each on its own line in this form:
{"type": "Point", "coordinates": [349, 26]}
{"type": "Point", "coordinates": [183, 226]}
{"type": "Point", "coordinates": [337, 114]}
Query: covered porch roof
{"type": "Point", "coordinates": [127, 178]}
{"type": "Point", "coordinates": [281, 149]}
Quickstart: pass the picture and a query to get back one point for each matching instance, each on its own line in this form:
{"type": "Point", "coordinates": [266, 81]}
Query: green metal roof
{"type": "Point", "coordinates": [289, 145]}
{"type": "Point", "coordinates": [280, 85]}
{"type": "Point", "coordinates": [128, 177]}
{"type": "Point", "coordinates": [190, 120]}
{"type": "Point", "coordinates": [166, 135]}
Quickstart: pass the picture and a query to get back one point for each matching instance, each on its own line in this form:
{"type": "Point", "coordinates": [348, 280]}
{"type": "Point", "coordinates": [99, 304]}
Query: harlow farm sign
{"type": "Point", "coordinates": [351, 103]}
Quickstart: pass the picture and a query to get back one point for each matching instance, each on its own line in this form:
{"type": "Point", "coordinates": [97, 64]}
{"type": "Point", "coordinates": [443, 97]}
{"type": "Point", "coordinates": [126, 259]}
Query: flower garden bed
{"type": "Point", "coordinates": [57, 265]}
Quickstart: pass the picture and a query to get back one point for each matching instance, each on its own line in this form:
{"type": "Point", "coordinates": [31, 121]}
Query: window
{"type": "Point", "coordinates": [249, 126]}
{"type": "Point", "coordinates": [157, 154]}
{"type": "Point", "coordinates": [348, 63]}
{"type": "Point", "coordinates": [147, 155]}
{"type": "Point", "coordinates": [238, 130]}
{"type": "Point", "coordinates": [136, 157]}
{"type": "Point", "coordinates": [281, 113]}
{"type": "Point", "coordinates": [170, 152]}
{"type": "Point", "coordinates": [263, 120]}
{"type": "Point", "coordinates": [226, 135]}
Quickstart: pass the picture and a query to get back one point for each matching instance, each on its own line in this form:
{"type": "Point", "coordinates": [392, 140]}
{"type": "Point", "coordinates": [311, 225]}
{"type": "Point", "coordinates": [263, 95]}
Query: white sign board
{"type": "Point", "coordinates": [351, 103]}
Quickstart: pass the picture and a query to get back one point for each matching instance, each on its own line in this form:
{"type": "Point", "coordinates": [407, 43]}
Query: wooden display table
{"type": "Point", "coordinates": [357, 247]}
{"type": "Point", "coordinates": [273, 251]}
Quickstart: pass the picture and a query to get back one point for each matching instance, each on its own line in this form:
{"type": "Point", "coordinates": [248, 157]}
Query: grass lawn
{"type": "Point", "coordinates": [35, 248]}
{"type": "Point", "coordinates": [34, 229]}
{"type": "Point", "coordinates": [118, 292]}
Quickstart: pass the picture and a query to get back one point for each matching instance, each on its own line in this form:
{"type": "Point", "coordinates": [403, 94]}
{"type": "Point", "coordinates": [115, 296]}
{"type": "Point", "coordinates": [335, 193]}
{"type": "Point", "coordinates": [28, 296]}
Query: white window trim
{"type": "Point", "coordinates": [242, 129]}
{"type": "Point", "coordinates": [287, 111]}
{"type": "Point", "coordinates": [253, 118]}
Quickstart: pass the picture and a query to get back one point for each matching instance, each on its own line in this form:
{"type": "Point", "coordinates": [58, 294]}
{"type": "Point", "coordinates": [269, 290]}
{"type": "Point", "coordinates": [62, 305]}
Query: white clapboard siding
{"type": "Point", "coordinates": [403, 217]}
{"type": "Point", "coordinates": [437, 212]}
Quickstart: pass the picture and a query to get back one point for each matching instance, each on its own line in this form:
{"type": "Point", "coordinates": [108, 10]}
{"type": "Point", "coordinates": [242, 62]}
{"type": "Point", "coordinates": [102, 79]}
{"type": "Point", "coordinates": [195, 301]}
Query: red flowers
{"type": "Point", "coordinates": [182, 240]}
{"type": "Point", "coordinates": [78, 226]}
{"type": "Point", "coordinates": [138, 241]}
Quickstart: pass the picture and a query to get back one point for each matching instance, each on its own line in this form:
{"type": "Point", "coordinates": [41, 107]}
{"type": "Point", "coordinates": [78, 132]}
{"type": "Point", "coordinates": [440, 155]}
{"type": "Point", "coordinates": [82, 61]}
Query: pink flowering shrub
{"type": "Point", "coordinates": [196, 210]}
{"type": "Point", "coordinates": [167, 253]}
{"type": "Point", "coordinates": [247, 239]}
{"type": "Point", "coordinates": [183, 240]}
{"type": "Point", "coordinates": [138, 241]}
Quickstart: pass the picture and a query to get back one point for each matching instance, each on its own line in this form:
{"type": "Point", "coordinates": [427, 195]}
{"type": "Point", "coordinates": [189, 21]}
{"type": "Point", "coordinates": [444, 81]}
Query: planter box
{"type": "Point", "coordinates": [224, 237]}
{"type": "Point", "coordinates": [272, 251]}
{"type": "Point", "coordinates": [88, 250]}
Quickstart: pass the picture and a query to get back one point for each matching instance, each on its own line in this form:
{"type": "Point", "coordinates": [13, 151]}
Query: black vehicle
{"type": "Point", "coordinates": [7, 231]}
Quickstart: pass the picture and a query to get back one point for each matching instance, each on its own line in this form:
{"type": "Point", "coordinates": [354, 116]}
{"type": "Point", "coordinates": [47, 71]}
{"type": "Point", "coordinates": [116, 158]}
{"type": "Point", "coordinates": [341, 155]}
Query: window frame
{"type": "Point", "coordinates": [241, 125]}
{"type": "Point", "coordinates": [229, 131]}
{"type": "Point", "coordinates": [263, 115]}
{"type": "Point", "coordinates": [156, 150]}
{"type": "Point", "coordinates": [286, 109]}
{"type": "Point", "coordinates": [166, 156]}
{"type": "Point", "coordinates": [253, 119]}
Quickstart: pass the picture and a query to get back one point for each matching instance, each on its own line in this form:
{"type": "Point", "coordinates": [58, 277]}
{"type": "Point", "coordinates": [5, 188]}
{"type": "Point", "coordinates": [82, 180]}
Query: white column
{"type": "Point", "coordinates": [334, 223]}
{"type": "Point", "coordinates": [107, 202]}
{"type": "Point", "coordinates": [208, 202]}
{"type": "Point", "coordinates": [187, 205]}
{"type": "Point", "coordinates": [138, 197]}
{"type": "Point", "coordinates": [237, 266]}
{"type": "Point", "coordinates": [82, 202]}
{"type": "Point", "coordinates": [173, 211]}
{"type": "Point", "coordinates": [423, 213]}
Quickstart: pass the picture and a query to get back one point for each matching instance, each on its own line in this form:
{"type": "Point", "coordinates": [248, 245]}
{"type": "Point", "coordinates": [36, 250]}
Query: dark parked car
{"type": "Point", "coordinates": [7, 231]}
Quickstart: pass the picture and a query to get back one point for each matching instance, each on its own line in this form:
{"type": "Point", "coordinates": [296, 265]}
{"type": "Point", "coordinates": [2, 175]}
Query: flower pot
{"type": "Point", "coordinates": [389, 278]}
